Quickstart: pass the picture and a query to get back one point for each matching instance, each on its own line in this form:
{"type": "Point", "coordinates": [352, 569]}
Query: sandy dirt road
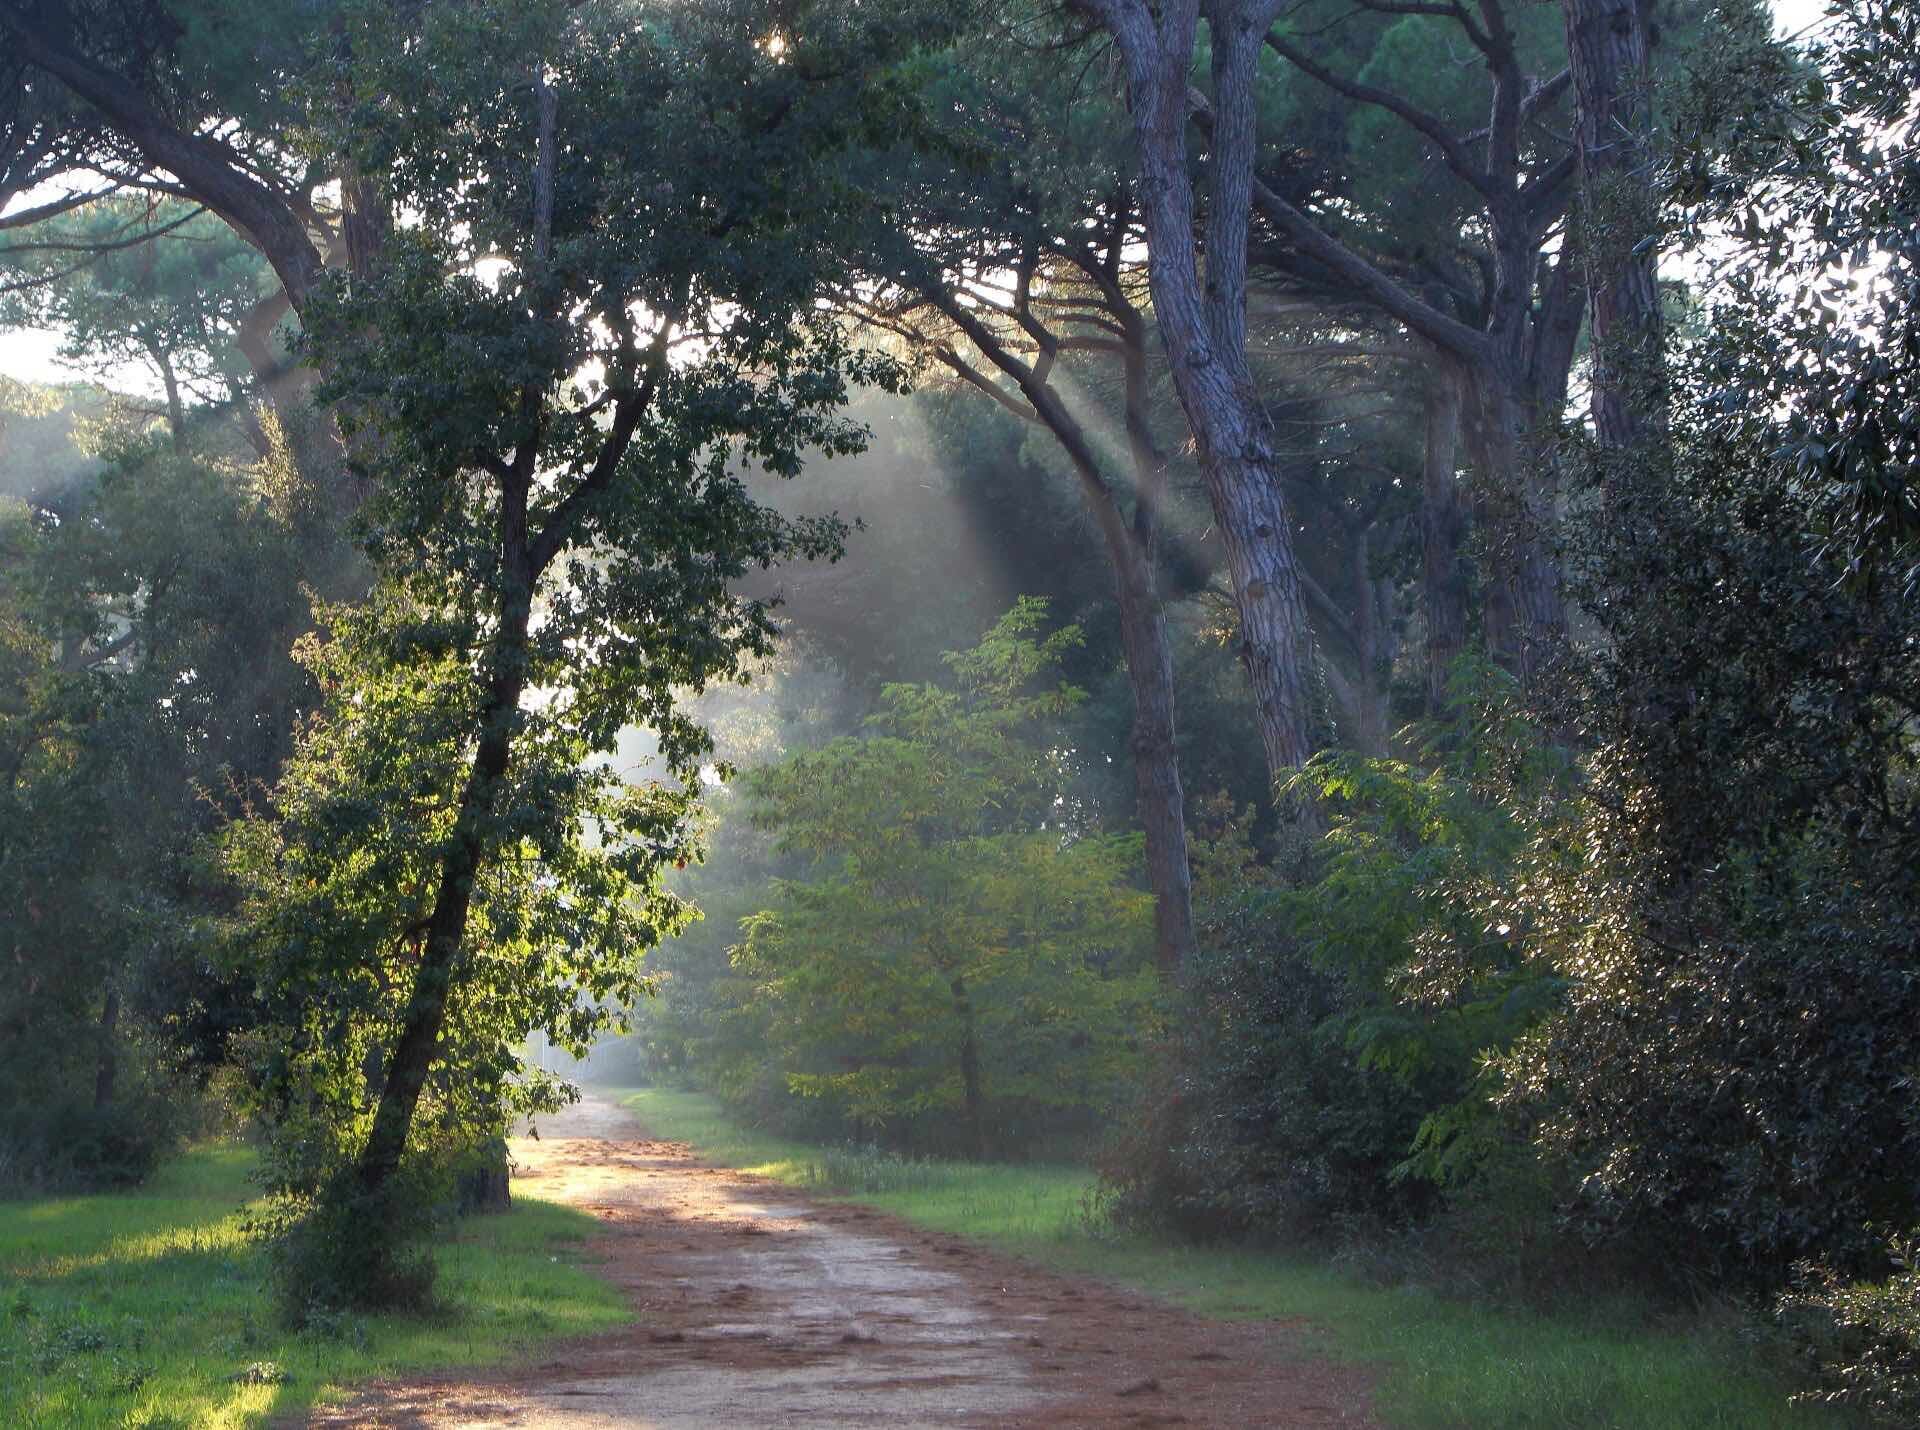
{"type": "Point", "coordinates": [756, 1307]}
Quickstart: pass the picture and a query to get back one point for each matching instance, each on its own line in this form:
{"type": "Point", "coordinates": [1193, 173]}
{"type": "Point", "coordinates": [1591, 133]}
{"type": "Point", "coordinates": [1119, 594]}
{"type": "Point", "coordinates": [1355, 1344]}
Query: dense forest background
{"type": "Point", "coordinates": [1313, 604]}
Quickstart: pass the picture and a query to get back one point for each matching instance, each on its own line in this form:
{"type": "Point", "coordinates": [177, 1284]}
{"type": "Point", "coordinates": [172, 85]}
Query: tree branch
{"type": "Point", "coordinates": [1451, 148]}
{"type": "Point", "coordinates": [1364, 279]}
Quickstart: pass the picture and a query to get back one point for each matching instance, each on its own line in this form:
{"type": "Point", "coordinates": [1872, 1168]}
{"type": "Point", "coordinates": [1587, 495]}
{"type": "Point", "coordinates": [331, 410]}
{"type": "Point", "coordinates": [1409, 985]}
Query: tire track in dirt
{"type": "Point", "coordinates": [757, 1307]}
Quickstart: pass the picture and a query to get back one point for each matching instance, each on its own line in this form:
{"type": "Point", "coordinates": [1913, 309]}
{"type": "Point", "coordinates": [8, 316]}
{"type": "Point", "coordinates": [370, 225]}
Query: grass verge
{"type": "Point", "coordinates": [148, 1308]}
{"type": "Point", "coordinates": [1444, 1362]}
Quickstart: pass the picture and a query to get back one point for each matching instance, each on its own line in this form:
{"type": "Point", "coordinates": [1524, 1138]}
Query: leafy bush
{"type": "Point", "coordinates": [1860, 1340]}
{"type": "Point", "coordinates": [1259, 1117]}
{"type": "Point", "coordinates": [347, 1250]}
{"type": "Point", "coordinates": [1734, 897]}
{"type": "Point", "coordinates": [68, 1143]}
{"type": "Point", "coordinates": [1330, 1064]}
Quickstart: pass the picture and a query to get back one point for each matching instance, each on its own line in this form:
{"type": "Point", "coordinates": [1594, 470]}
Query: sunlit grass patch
{"type": "Point", "coordinates": [148, 1308]}
{"type": "Point", "coordinates": [1443, 1361]}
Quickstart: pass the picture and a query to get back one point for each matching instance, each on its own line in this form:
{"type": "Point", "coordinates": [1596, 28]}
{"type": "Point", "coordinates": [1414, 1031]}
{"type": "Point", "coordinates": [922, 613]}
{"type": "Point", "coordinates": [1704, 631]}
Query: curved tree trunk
{"type": "Point", "coordinates": [412, 1056]}
{"type": "Point", "coordinates": [1131, 551]}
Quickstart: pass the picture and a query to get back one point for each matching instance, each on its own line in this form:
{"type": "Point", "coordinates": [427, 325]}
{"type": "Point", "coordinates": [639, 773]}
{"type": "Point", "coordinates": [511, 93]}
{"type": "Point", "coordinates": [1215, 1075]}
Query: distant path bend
{"type": "Point", "coordinates": [757, 1307]}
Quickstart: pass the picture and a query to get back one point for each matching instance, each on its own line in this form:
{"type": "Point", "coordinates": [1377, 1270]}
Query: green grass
{"type": "Point", "coordinates": [148, 1308]}
{"type": "Point", "coordinates": [1443, 1361]}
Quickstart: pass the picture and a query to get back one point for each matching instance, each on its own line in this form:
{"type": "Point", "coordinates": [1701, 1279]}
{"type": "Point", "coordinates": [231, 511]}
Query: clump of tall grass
{"type": "Point", "coordinates": [864, 1168]}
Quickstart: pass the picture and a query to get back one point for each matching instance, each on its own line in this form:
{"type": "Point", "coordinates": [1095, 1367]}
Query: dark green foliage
{"type": "Point", "coordinates": [1735, 896]}
{"type": "Point", "coordinates": [1330, 1063]}
{"type": "Point", "coordinates": [144, 675]}
{"type": "Point", "coordinates": [1265, 1122]}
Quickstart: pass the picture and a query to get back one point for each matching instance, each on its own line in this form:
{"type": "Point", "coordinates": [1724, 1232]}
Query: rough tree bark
{"type": "Point", "coordinates": [1608, 51]}
{"type": "Point", "coordinates": [1203, 327]}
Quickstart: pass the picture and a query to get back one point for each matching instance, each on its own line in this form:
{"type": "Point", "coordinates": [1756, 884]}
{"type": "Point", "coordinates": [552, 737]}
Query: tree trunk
{"type": "Point", "coordinates": [1525, 614]}
{"type": "Point", "coordinates": [1156, 765]}
{"type": "Point", "coordinates": [970, 1074]}
{"type": "Point", "coordinates": [176, 408]}
{"type": "Point", "coordinates": [484, 1180]}
{"type": "Point", "coordinates": [107, 1065]}
{"type": "Point", "coordinates": [1607, 51]}
{"type": "Point", "coordinates": [413, 1052]}
{"type": "Point", "coordinates": [1370, 734]}
{"type": "Point", "coordinates": [1443, 532]}
{"type": "Point", "coordinates": [1131, 550]}
{"type": "Point", "coordinates": [1204, 332]}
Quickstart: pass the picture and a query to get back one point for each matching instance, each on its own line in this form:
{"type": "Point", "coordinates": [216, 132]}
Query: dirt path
{"type": "Point", "coordinates": [759, 1308]}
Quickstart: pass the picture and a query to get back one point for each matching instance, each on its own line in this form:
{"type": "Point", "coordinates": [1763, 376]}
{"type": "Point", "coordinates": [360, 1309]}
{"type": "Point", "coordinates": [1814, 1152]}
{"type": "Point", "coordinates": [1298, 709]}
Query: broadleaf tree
{"type": "Point", "coordinates": [956, 949]}
{"type": "Point", "coordinates": [597, 315]}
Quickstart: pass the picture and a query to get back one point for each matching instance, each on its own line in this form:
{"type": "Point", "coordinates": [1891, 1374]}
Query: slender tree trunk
{"type": "Point", "coordinates": [1156, 765]}
{"type": "Point", "coordinates": [970, 1073]}
{"type": "Point", "coordinates": [1443, 532]}
{"type": "Point", "coordinates": [1370, 689]}
{"type": "Point", "coordinates": [107, 1065]}
{"type": "Point", "coordinates": [176, 408]}
{"type": "Point", "coordinates": [413, 1052]}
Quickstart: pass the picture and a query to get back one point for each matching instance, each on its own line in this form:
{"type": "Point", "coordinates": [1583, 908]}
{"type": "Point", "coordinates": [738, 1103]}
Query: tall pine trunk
{"type": "Point", "coordinates": [1204, 332]}
{"type": "Point", "coordinates": [1608, 51]}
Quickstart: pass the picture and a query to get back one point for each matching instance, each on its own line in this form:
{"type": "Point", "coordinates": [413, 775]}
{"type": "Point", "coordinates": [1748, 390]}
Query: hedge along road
{"type": "Point", "coordinates": [757, 1307]}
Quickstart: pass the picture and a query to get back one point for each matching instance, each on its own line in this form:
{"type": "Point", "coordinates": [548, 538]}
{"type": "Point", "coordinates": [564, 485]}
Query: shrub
{"type": "Point", "coordinates": [1860, 1340]}
{"type": "Point", "coordinates": [1260, 1117]}
{"type": "Point", "coordinates": [349, 1250]}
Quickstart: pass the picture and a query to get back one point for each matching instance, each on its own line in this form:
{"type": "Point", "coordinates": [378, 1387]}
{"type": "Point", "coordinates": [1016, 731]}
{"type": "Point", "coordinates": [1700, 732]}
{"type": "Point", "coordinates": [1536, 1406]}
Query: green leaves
{"type": "Point", "coordinates": [945, 916]}
{"type": "Point", "coordinates": [595, 319]}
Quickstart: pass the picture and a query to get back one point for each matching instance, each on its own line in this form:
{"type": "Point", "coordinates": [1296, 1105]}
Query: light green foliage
{"type": "Point", "coordinates": [166, 290]}
{"type": "Point", "coordinates": [146, 1309]}
{"type": "Point", "coordinates": [959, 945]}
{"type": "Point", "coordinates": [338, 886]}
